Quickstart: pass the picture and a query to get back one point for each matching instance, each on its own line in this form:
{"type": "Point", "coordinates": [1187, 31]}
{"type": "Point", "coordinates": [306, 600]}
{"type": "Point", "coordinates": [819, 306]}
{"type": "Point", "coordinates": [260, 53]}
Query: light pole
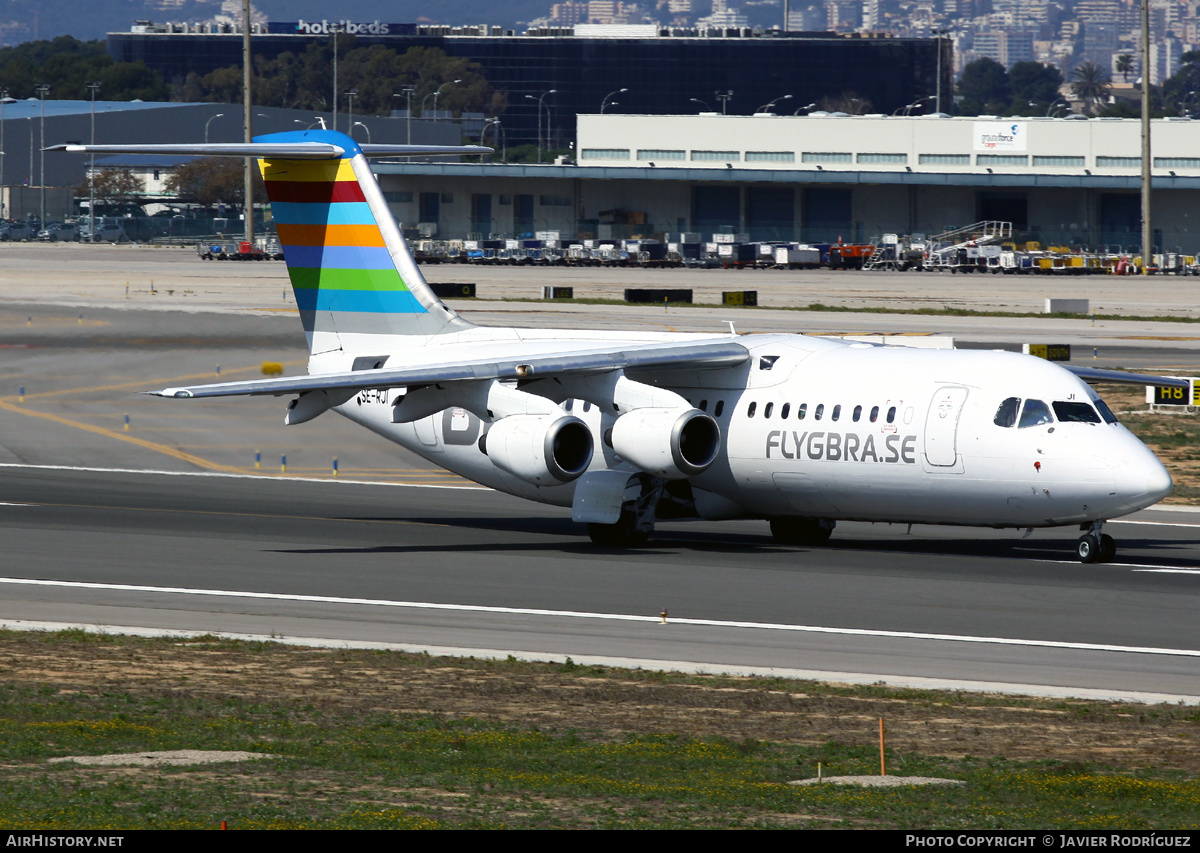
{"type": "Point", "coordinates": [207, 123]}
{"type": "Point", "coordinates": [492, 122]}
{"type": "Point", "coordinates": [604, 103]}
{"type": "Point", "coordinates": [335, 29]}
{"type": "Point", "coordinates": [938, 35]}
{"type": "Point", "coordinates": [806, 108]}
{"type": "Point", "coordinates": [1052, 108]}
{"type": "Point", "coordinates": [435, 95]}
{"type": "Point", "coordinates": [908, 109]}
{"type": "Point", "coordinates": [351, 95]}
{"type": "Point", "coordinates": [3, 103]}
{"type": "Point", "coordinates": [364, 127]}
{"type": "Point", "coordinates": [539, 101]}
{"type": "Point", "coordinates": [407, 92]}
{"type": "Point", "coordinates": [724, 98]}
{"type": "Point", "coordinates": [92, 168]}
{"type": "Point", "coordinates": [767, 106]}
{"type": "Point", "coordinates": [43, 90]}
{"type": "Point", "coordinates": [704, 104]}
{"type": "Point", "coordinates": [438, 94]}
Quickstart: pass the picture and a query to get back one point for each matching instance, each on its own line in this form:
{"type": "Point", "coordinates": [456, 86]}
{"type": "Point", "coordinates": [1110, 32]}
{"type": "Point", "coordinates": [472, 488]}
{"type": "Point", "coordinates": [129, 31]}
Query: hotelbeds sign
{"type": "Point", "coordinates": [324, 28]}
{"type": "Point", "coordinates": [999, 136]}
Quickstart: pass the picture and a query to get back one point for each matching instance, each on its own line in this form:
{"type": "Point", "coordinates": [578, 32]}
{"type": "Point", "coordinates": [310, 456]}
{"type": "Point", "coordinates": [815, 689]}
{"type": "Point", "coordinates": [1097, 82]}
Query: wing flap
{"type": "Point", "coordinates": [700, 355]}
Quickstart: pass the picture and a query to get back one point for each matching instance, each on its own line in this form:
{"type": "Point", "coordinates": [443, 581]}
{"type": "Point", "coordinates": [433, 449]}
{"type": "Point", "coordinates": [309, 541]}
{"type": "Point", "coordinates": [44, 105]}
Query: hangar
{"type": "Point", "coordinates": [1060, 181]}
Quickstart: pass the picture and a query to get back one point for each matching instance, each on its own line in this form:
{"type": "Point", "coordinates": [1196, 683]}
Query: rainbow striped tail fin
{"type": "Point", "coordinates": [355, 280]}
{"type": "Point", "coordinates": [351, 270]}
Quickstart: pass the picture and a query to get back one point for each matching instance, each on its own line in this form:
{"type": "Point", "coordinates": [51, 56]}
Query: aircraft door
{"type": "Point", "coordinates": [941, 426]}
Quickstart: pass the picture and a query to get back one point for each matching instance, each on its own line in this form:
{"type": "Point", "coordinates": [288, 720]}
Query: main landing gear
{"type": "Point", "coordinates": [636, 523]}
{"type": "Point", "coordinates": [801, 530]}
{"type": "Point", "coordinates": [1094, 546]}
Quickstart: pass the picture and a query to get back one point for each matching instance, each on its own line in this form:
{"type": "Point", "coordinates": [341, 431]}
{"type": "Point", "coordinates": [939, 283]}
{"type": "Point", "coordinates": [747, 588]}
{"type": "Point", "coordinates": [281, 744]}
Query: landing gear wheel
{"type": "Point", "coordinates": [1088, 548]}
{"type": "Point", "coordinates": [1108, 549]}
{"type": "Point", "coordinates": [622, 534]}
{"type": "Point", "coordinates": [794, 530]}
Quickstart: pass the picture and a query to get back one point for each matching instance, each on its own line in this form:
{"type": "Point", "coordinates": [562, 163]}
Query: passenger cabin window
{"type": "Point", "coordinates": [750, 411]}
{"type": "Point", "coordinates": [1034, 414]}
{"type": "Point", "coordinates": [857, 413]}
{"type": "Point", "coordinates": [783, 413]}
{"type": "Point", "coordinates": [818, 411]}
{"type": "Point", "coordinates": [704, 405]}
{"type": "Point", "coordinates": [1006, 415]}
{"type": "Point", "coordinates": [1075, 413]}
{"type": "Point", "coordinates": [767, 410]}
{"type": "Point", "coordinates": [720, 408]}
{"type": "Point", "coordinates": [837, 412]}
{"type": "Point", "coordinates": [891, 419]}
{"type": "Point", "coordinates": [801, 411]}
{"type": "Point", "coordinates": [874, 414]}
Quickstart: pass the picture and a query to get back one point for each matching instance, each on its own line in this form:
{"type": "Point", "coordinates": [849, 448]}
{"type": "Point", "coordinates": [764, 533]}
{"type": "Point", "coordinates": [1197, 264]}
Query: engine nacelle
{"type": "Point", "coordinates": [670, 443]}
{"type": "Point", "coordinates": [545, 450]}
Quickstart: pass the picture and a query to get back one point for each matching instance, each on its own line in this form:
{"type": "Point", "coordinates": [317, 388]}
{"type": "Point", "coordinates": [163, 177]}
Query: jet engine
{"type": "Point", "coordinates": [670, 443]}
{"type": "Point", "coordinates": [545, 450]}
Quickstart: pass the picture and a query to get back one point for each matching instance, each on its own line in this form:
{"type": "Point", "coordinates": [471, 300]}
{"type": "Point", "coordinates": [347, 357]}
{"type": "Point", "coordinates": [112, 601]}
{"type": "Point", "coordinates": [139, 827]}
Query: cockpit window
{"type": "Point", "coordinates": [1106, 412]}
{"type": "Point", "coordinates": [1075, 413]}
{"type": "Point", "coordinates": [1035, 412]}
{"type": "Point", "coordinates": [1006, 415]}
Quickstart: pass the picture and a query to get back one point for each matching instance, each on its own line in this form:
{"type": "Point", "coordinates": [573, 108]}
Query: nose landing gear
{"type": "Point", "coordinates": [1094, 546]}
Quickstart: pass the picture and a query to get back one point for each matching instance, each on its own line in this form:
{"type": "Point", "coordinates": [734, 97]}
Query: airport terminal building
{"type": "Point", "coordinates": [1072, 181]}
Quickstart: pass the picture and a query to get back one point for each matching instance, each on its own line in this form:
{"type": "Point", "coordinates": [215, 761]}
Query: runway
{"type": "Point", "coordinates": [246, 531]}
{"type": "Point", "coordinates": [475, 571]}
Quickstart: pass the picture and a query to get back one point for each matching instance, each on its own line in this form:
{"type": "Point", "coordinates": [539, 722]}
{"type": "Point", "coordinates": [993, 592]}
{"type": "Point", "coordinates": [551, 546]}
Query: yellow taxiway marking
{"type": "Point", "coordinates": [412, 476]}
{"type": "Point", "coordinates": [142, 383]}
{"type": "Point", "coordinates": [121, 436]}
{"type": "Point", "coordinates": [1158, 338]}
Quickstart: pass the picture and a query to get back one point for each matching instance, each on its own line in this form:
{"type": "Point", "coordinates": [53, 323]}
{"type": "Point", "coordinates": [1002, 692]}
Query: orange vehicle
{"type": "Point", "coordinates": [849, 256]}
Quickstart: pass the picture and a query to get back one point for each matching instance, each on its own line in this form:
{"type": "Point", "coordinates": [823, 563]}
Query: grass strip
{"type": "Point", "coordinates": [390, 740]}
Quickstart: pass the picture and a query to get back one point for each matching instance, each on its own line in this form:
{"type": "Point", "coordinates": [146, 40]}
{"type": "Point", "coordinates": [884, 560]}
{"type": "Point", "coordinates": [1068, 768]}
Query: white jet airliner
{"type": "Point", "coordinates": [627, 428]}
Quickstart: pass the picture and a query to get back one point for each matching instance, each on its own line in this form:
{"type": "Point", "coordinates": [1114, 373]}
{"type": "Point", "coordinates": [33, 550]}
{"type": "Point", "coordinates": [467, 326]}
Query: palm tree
{"type": "Point", "coordinates": [1090, 83]}
{"type": "Point", "coordinates": [1124, 66]}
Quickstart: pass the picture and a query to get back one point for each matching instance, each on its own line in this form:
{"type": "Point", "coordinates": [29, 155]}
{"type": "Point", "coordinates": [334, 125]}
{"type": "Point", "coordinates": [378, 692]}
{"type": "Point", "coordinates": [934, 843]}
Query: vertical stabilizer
{"type": "Point", "coordinates": [357, 285]}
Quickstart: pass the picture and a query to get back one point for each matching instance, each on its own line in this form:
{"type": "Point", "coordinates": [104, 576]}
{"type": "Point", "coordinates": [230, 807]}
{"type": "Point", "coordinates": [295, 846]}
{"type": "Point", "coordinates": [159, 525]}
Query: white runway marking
{"type": "Point", "coordinates": [1168, 570]}
{"type": "Point", "coordinates": [612, 617]}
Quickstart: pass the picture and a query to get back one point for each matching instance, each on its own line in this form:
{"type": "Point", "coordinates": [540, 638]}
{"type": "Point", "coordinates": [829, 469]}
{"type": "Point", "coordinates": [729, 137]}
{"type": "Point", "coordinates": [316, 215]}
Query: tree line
{"type": "Point", "coordinates": [1033, 88]}
{"type": "Point", "coordinates": [379, 76]}
{"type": "Point", "coordinates": [68, 65]}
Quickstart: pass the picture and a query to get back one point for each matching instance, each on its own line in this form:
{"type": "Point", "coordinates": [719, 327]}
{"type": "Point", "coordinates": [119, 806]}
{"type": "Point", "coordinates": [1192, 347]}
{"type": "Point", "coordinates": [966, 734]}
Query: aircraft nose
{"type": "Point", "coordinates": [1158, 482]}
{"type": "Point", "coordinates": [1143, 480]}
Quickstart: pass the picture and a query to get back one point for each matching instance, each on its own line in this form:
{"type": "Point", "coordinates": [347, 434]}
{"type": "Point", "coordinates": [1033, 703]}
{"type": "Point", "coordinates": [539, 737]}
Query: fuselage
{"type": "Point", "coordinates": [823, 428]}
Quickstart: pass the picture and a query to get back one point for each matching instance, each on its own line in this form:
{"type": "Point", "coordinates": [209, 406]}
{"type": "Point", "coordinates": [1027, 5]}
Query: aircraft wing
{"type": "Point", "coordinates": [711, 354]}
{"type": "Point", "coordinates": [1120, 377]}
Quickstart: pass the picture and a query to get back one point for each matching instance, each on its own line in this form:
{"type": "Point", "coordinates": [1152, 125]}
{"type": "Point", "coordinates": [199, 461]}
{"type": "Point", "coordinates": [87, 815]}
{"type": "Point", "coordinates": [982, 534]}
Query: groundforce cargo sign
{"type": "Point", "coordinates": [999, 136]}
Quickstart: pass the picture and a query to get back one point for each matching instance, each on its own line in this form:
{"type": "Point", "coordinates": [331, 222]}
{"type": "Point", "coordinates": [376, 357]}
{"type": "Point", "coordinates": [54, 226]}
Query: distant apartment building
{"type": "Point", "coordinates": [1005, 47]}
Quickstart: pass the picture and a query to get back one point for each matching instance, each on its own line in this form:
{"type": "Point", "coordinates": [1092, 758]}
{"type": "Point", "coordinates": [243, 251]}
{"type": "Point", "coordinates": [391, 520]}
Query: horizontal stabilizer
{"type": "Point", "coordinates": [270, 150]}
{"type": "Point", "coordinates": [710, 354]}
{"type": "Point", "coordinates": [1120, 377]}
